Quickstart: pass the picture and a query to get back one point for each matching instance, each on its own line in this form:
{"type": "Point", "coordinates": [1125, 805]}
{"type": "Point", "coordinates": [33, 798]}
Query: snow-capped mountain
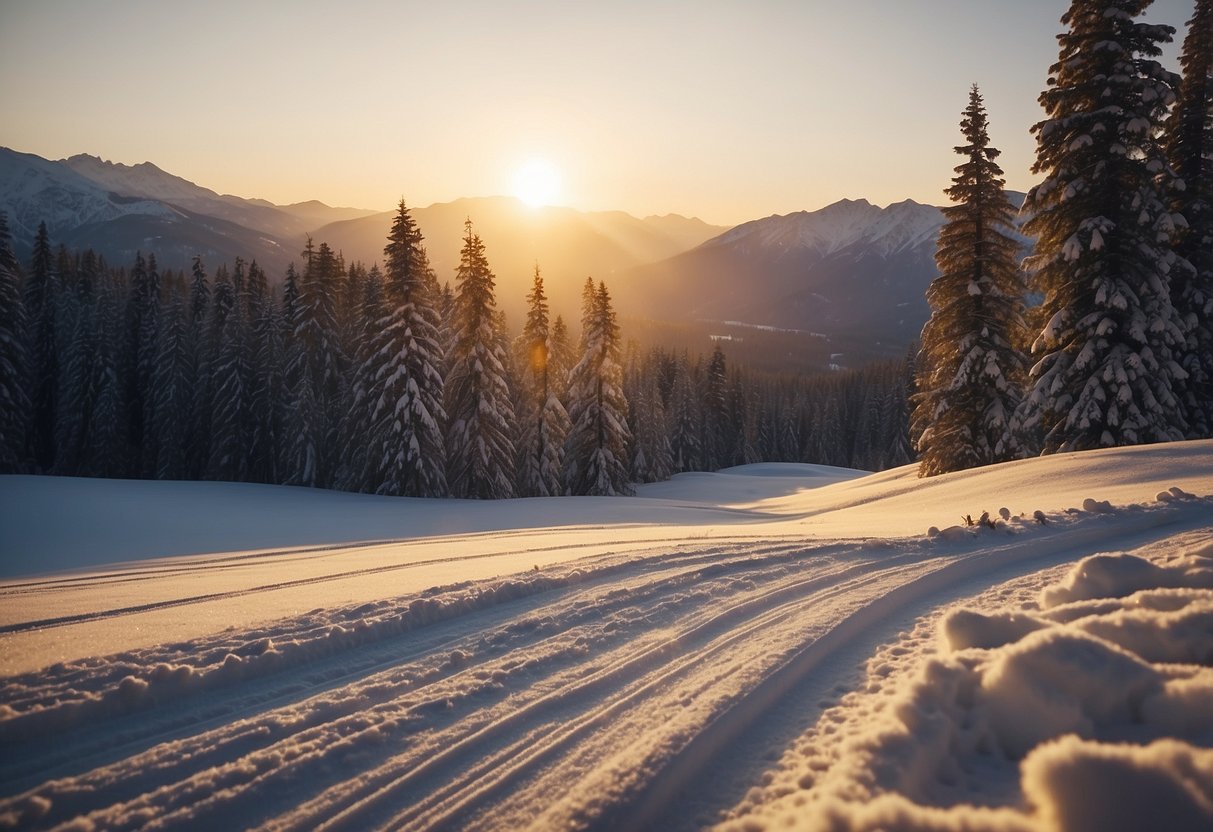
{"type": "Point", "coordinates": [883, 231]}
{"type": "Point", "coordinates": [853, 271]}
{"type": "Point", "coordinates": [35, 190]}
{"type": "Point", "coordinates": [149, 181]}
{"type": "Point", "coordinates": [118, 210]}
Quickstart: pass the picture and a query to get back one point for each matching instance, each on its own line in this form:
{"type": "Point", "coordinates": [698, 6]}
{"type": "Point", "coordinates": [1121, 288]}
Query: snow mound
{"type": "Point", "coordinates": [1088, 709]}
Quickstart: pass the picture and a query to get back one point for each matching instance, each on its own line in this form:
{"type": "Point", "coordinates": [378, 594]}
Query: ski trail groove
{"type": "Point", "coordinates": [589, 696]}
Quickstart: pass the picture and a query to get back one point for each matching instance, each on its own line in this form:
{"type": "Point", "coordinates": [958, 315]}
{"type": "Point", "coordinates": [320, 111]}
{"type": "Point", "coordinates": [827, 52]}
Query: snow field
{"type": "Point", "coordinates": [553, 674]}
{"type": "Point", "coordinates": [1078, 698]}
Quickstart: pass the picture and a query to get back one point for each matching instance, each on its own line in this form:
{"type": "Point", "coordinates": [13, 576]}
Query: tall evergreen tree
{"type": "Point", "coordinates": [41, 294]}
{"type": "Point", "coordinates": [173, 379]}
{"type": "Point", "coordinates": [971, 372]}
{"type": "Point", "coordinates": [1190, 149]}
{"type": "Point", "coordinates": [561, 359]}
{"type": "Point", "coordinates": [315, 370]}
{"type": "Point", "coordinates": [686, 436]}
{"type": "Point", "coordinates": [139, 355]}
{"type": "Point", "coordinates": [480, 447]}
{"type": "Point", "coordinates": [716, 439]}
{"type": "Point", "coordinates": [652, 459]}
{"type": "Point", "coordinates": [230, 382]}
{"type": "Point", "coordinates": [267, 404]}
{"type": "Point", "coordinates": [1102, 257]}
{"type": "Point", "coordinates": [198, 313]}
{"type": "Point", "coordinates": [545, 423]}
{"type": "Point", "coordinates": [14, 403]}
{"type": "Point", "coordinates": [356, 427]}
{"type": "Point", "coordinates": [596, 451]}
{"type": "Point", "coordinates": [402, 384]}
{"type": "Point", "coordinates": [103, 449]}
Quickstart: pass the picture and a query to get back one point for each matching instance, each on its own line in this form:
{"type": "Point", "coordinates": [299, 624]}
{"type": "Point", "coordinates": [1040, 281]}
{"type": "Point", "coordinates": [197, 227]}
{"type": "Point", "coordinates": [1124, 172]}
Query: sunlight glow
{"type": "Point", "coordinates": [537, 182]}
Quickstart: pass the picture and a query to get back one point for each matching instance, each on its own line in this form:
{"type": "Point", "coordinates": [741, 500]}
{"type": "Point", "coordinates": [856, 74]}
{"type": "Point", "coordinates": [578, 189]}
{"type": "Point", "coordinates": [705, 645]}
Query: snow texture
{"type": "Point", "coordinates": [614, 662]}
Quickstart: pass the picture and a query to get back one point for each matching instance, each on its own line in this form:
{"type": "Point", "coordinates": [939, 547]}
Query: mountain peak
{"type": "Point", "coordinates": [840, 225]}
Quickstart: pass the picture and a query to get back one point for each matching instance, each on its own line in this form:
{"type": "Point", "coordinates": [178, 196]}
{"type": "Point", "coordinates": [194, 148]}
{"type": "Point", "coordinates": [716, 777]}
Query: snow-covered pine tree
{"type": "Point", "coordinates": [480, 447]}
{"type": "Point", "coordinates": [1190, 148]}
{"type": "Point", "coordinates": [896, 449]}
{"type": "Point", "coordinates": [103, 445]}
{"type": "Point", "coordinates": [198, 312]}
{"type": "Point", "coordinates": [716, 439]}
{"type": "Point", "coordinates": [1103, 254]}
{"type": "Point", "coordinates": [745, 408]}
{"type": "Point", "coordinates": [401, 379]}
{"type": "Point", "coordinates": [545, 423]}
{"type": "Point", "coordinates": [652, 459]}
{"type": "Point", "coordinates": [596, 451]}
{"type": "Point", "coordinates": [14, 403]}
{"type": "Point", "coordinates": [41, 294]}
{"type": "Point", "coordinates": [355, 429]}
{"type": "Point", "coordinates": [200, 292]}
{"type": "Point", "coordinates": [685, 421]}
{"type": "Point", "coordinates": [173, 380]}
{"type": "Point", "coordinates": [314, 368]}
{"type": "Point", "coordinates": [229, 369]}
{"type": "Point", "coordinates": [561, 359]}
{"type": "Point", "coordinates": [139, 357]}
{"type": "Point", "coordinates": [971, 372]}
{"type": "Point", "coordinates": [267, 391]}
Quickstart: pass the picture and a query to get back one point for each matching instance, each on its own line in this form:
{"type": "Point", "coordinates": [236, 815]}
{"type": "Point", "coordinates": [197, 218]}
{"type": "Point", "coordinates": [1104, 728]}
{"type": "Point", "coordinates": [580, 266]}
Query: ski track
{"type": "Point", "coordinates": [587, 695]}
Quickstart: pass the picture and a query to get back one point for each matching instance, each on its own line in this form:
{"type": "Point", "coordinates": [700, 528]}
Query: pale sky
{"type": "Point", "coordinates": [724, 110]}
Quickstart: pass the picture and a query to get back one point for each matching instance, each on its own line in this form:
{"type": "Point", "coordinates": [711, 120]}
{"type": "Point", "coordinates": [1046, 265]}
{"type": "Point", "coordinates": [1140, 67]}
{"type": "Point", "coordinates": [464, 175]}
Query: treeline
{"type": "Point", "coordinates": [382, 380]}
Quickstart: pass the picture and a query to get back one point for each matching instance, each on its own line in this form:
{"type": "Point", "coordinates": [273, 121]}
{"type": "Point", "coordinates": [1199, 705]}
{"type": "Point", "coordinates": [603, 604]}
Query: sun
{"type": "Point", "coordinates": [537, 182]}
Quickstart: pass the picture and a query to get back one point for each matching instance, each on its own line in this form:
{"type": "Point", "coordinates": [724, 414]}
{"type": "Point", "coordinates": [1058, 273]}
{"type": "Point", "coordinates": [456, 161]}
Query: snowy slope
{"type": "Point", "coordinates": [147, 181]}
{"type": "Point", "coordinates": [653, 669]}
{"type": "Point", "coordinates": [34, 190]}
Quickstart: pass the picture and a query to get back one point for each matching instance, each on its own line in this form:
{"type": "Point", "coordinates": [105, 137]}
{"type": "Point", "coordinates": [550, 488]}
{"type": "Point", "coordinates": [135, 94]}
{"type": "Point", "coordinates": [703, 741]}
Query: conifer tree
{"type": "Point", "coordinates": [1190, 150]}
{"type": "Point", "coordinates": [652, 458]}
{"type": "Point", "coordinates": [198, 313]}
{"type": "Point", "coordinates": [686, 438]}
{"type": "Point", "coordinates": [267, 405]}
{"type": "Point", "coordinates": [971, 372]}
{"type": "Point", "coordinates": [102, 440]}
{"type": "Point", "coordinates": [14, 403]}
{"type": "Point", "coordinates": [1106, 369]}
{"type": "Point", "coordinates": [314, 369]}
{"type": "Point", "coordinates": [139, 355]}
{"type": "Point", "coordinates": [561, 359]}
{"type": "Point", "coordinates": [545, 423]}
{"type": "Point", "coordinates": [41, 295]}
{"type": "Point", "coordinates": [167, 437]}
{"type": "Point", "coordinates": [357, 424]}
{"type": "Point", "coordinates": [480, 448]}
{"type": "Point", "coordinates": [230, 411]}
{"type": "Point", "coordinates": [596, 451]}
{"type": "Point", "coordinates": [715, 416]}
{"type": "Point", "coordinates": [401, 379]}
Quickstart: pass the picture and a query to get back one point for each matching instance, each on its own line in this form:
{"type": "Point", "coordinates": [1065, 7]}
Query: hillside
{"type": "Point", "coordinates": [568, 245]}
{"type": "Point", "coordinates": [851, 271]}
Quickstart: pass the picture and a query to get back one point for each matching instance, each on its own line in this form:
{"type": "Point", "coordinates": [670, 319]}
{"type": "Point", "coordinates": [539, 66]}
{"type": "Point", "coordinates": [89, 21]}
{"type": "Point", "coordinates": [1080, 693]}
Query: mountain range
{"type": "Point", "coordinates": [852, 274]}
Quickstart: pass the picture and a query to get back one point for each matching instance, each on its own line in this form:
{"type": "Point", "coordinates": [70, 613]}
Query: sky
{"type": "Point", "coordinates": [728, 111]}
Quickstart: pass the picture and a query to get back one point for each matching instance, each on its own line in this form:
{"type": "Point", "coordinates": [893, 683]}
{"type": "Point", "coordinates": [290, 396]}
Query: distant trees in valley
{"type": "Point", "coordinates": [382, 380]}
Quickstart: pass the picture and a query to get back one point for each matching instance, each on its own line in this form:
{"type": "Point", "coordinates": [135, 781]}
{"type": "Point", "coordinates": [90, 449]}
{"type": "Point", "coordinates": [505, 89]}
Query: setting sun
{"type": "Point", "coordinates": [537, 182]}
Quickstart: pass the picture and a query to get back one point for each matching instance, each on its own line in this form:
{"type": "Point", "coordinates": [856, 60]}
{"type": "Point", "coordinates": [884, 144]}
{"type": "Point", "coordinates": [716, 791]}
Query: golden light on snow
{"type": "Point", "coordinates": [537, 182]}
